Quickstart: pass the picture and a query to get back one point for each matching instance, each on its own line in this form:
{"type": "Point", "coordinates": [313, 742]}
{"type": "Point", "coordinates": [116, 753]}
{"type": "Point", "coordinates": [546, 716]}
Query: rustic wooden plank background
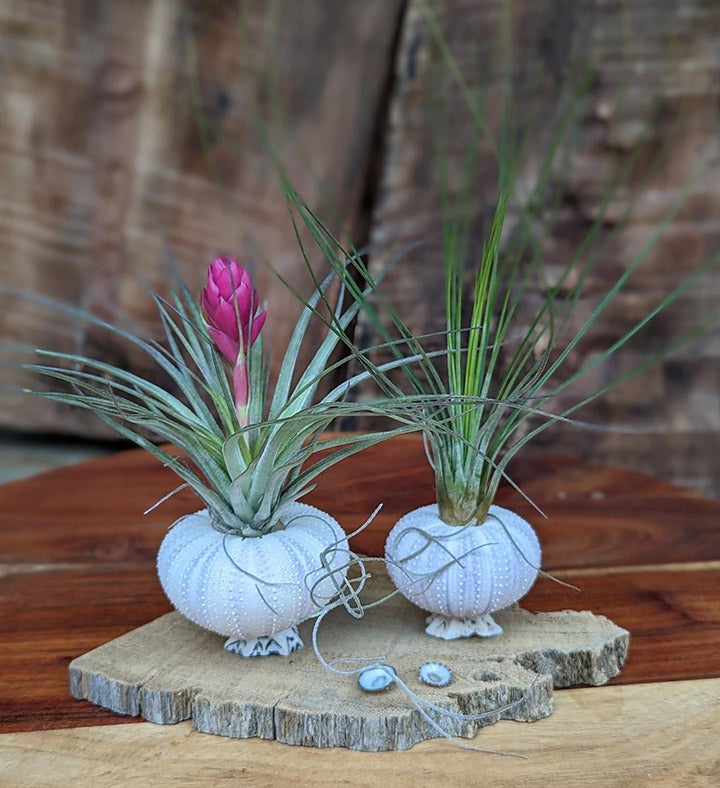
{"type": "Point", "coordinates": [653, 70]}
{"type": "Point", "coordinates": [107, 170]}
{"type": "Point", "coordinates": [134, 131]}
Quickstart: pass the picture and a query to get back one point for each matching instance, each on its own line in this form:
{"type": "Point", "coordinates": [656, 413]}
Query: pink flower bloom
{"type": "Point", "coordinates": [230, 304]}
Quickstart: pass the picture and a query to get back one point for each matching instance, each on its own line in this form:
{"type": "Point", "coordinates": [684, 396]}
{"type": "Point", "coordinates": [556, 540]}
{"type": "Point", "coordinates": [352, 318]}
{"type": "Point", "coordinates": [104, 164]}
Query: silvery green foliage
{"type": "Point", "coordinates": [246, 474]}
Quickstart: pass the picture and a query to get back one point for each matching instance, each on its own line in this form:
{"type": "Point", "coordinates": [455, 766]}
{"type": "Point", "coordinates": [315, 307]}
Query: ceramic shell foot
{"type": "Point", "coordinates": [450, 628]}
{"type": "Point", "coordinates": [280, 644]}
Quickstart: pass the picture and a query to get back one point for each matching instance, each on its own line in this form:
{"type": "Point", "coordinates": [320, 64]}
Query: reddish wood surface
{"type": "Point", "coordinates": [78, 561]}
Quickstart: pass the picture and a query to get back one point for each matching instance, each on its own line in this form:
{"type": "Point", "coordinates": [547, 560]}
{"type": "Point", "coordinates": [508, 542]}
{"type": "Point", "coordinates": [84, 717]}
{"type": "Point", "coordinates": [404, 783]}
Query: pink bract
{"type": "Point", "coordinates": [230, 304]}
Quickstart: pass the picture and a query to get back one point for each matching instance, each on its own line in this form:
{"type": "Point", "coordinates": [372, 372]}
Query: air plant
{"type": "Point", "coordinates": [245, 454]}
{"type": "Point", "coordinates": [464, 557]}
{"type": "Point", "coordinates": [492, 388]}
{"type": "Point", "coordinates": [489, 391]}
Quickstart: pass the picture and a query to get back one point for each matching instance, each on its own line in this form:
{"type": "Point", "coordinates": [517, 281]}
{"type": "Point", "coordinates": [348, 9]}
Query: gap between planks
{"type": "Point", "coordinates": [599, 571]}
{"type": "Point", "coordinates": [10, 569]}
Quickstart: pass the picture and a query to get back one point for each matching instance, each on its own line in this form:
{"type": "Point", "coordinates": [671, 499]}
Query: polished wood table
{"type": "Point", "coordinates": [78, 570]}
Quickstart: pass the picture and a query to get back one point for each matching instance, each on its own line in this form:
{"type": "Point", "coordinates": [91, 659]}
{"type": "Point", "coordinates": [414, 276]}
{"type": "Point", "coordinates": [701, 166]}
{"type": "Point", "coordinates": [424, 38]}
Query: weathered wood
{"type": "Point", "coordinates": [170, 670]}
{"type": "Point", "coordinates": [647, 118]}
{"type": "Point", "coordinates": [135, 132]}
{"type": "Point", "coordinates": [109, 172]}
{"type": "Point", "coordinates": [655, 734]}
{"type": "Point", "coordinates": [673, 616]}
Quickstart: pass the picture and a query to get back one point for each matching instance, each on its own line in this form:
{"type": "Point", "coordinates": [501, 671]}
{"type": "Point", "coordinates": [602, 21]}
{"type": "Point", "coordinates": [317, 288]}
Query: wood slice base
{"type": "Point", "coordinates": [171, 670]}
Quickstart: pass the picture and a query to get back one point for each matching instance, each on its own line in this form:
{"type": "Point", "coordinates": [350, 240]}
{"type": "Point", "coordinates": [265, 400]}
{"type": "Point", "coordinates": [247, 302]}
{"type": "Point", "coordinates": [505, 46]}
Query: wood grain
{"type": "Point", "coordinates": [129, 134]}
{"type": "Point", "coordinates": [646, 118]}
{"type": "Point", "coordinates": [674, 621]}
{"type": "Point", "coordinates": [507, 677]}
{"type": "Point", "coordinates": [595, 516]}
{"type": "Point", "coordinates": [78, 562]}
{"type": "Point", "coordinates": [648, 735]}
{"type": "Point", "coordinates": [133, 137]}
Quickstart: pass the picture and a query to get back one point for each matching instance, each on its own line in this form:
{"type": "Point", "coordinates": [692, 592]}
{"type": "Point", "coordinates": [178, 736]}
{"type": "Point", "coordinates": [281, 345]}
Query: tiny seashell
{"type": "Point", "coordinates": [435, 674]}
{"type": "Point", "coordinates": [377, 679]}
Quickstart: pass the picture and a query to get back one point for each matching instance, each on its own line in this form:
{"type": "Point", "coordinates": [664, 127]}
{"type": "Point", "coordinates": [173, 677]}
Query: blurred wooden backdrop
{"type": "Point", "coordinates": [134, 133]}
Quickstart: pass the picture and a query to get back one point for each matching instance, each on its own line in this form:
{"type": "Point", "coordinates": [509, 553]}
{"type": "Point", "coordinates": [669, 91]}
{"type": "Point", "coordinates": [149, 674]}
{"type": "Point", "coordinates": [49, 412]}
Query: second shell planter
{"type": "Point", "coordinates": [254, 590]}
{"type": "Point", "coordinates": [462, 574]}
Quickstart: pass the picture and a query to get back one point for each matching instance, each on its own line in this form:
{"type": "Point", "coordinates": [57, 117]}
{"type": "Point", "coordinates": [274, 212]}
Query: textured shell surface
{"type": "Point", "coordinates": [462, 571]}
{"type": "Point", "coordinates": [252, 587]}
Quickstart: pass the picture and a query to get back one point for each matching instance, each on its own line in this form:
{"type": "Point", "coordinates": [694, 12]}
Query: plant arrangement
{"type": "Point", "coordinates": [255, 561]}
{"type": "Point", "coordinates": [480, 401]}
{"type": "Point", "coordinates": [493, 386]}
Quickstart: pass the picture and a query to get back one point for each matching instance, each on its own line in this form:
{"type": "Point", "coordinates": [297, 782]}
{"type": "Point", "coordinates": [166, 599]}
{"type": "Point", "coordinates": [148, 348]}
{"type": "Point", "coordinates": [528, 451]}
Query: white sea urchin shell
{"type": "Point", "coordinates": [248, 588]}
{"type": "Point", "coordinates": [462, 573]}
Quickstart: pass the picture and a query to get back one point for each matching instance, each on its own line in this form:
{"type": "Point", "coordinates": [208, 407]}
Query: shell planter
{"type": "Point", "coordinates": [254, 590]}
{"type": "Point", "coordinates": [462, 574]}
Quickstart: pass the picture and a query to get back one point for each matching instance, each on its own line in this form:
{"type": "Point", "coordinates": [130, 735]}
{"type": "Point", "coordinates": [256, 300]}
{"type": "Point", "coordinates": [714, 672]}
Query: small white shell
{"type": "Point", "coordinates": [435, 674]}
{"type": "Point", "coordinates": [449, 628]}
{"type": "Point", "coordinates": [252, 587]}
{"type": "Point", "coordinates": [496, 562]}
{"type": "Point", "coordinates": [280, 644]}
{"type": "Point", "coordinates": [377, 679]}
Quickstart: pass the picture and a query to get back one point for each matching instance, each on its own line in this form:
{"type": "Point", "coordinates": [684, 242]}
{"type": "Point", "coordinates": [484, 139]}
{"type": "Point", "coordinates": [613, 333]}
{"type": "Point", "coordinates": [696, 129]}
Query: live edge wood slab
{"type": "Point", "coordinates": [77, 569]}
{"type": "Point", "coordinates": [171, 670]}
